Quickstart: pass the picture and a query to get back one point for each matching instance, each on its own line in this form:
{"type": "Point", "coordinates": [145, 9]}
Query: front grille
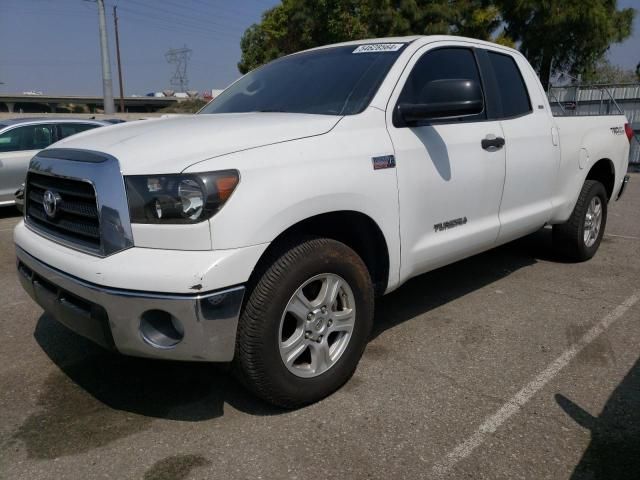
{"type": "Point", "coordinates": [75, 221]}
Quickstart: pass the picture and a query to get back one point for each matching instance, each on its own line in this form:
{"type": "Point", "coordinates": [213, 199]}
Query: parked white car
{"type": "Point", "coordinates": [21, 139]}
{"type": "Point", "coordinates": [260, 230]}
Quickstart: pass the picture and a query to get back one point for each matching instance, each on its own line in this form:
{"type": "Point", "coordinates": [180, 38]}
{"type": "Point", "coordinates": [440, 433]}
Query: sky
{"type": "Point", "coordinates": [53, 45]}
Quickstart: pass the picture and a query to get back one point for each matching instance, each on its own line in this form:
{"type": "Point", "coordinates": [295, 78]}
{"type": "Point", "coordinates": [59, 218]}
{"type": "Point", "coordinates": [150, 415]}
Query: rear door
{"type": "Point", "coordinates": [532, 157]}
{"type": "Point", "coordinates": [449, 186]}
{"type": "Point", "coordinates": [17, 146]}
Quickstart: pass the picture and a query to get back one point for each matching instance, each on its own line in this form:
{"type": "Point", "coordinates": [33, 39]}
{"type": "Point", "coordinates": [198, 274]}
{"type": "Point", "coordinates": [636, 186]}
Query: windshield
{"type": "Point", "coordinates": [330, 81]}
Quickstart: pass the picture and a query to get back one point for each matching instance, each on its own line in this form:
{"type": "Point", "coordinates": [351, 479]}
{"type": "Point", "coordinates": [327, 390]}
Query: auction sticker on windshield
{"type": "Point", "coordinates": [378, 47]}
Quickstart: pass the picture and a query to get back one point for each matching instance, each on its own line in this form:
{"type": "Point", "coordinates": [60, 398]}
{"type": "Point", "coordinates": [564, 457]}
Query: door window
{"type": "Point", "coordinates": [68, 129]}
{"type": "Point", "coordinates": [441, 64]}
{"type": "Point", "coordinates": [512, 89]}
{"type": "Point", "coordinates": [29, 137]}
{"type": "Point", "coordinates": [10, 141]}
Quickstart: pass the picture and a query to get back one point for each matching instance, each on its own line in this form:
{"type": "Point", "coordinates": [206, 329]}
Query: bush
{"type": "Point", "coordinates": [186, 106]}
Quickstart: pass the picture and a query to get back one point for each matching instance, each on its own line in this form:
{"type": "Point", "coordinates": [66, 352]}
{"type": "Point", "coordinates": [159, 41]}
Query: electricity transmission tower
{"type": "Point", "coordinates": [180, 58]}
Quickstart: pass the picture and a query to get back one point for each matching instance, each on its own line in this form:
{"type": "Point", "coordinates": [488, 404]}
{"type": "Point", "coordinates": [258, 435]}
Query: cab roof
{"type": "Point", "coordinates": [413, 38]}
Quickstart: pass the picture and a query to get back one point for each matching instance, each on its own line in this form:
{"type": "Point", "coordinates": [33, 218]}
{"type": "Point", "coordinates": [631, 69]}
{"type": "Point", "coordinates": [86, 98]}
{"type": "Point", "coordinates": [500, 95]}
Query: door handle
{"type": "Point", "coordinates": [492, 143]}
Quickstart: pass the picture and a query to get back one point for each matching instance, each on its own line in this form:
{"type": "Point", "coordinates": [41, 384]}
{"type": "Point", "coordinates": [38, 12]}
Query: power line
{"type": "Point", "coordinates": [219, 13]}
{"type": "Point", "coordinates": [173, 24]}
{"type": "Point", "coordinates": [172, 16]}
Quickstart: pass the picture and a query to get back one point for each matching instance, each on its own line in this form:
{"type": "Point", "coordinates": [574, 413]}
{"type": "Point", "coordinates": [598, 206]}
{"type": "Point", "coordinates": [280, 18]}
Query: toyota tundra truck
{"type": "Point", "coordinates": [260, 230]}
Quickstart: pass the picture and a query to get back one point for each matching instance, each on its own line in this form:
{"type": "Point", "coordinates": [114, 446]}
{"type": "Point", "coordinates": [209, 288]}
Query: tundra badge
{"type": "Point", "coordinates": [456, 222]}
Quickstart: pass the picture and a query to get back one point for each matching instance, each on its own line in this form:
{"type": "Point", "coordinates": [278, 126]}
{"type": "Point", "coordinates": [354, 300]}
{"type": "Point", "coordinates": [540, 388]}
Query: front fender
{"type": "Point", "coordinates": [281, 185]}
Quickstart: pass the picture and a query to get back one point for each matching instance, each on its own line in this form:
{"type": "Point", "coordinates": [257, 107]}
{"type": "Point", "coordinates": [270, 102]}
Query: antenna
{"type": "Point", "coordinates": [179, 57]}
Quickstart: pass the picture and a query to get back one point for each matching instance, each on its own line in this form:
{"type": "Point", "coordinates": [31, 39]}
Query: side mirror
{"type": "Point", "coordinates": [441, 100]}
{"type": "Point", "coordinates": [19, 198]}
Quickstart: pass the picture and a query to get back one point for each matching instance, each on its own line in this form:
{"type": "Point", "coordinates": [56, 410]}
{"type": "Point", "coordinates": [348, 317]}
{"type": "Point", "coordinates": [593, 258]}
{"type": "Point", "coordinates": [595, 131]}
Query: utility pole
{"type": "Point", "coordinates": [115, 20]}
{"type": "Point", "coordinates": [107, 84]}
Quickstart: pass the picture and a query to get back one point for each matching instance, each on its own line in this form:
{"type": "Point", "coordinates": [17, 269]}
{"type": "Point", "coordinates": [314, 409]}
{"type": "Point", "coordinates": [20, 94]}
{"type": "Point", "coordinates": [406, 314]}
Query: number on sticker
{"type": "Point", "coordinates": [378, 47]}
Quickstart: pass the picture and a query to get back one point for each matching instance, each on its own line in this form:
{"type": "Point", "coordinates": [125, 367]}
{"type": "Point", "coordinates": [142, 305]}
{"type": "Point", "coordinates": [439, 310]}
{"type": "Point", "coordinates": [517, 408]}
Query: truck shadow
{"type": "Point", "coordinates": [196, 391]}
{"type": "Point", "coordinates": [185, 391]}
{"type": "Point", "coordinates": [436, 288]}
{"type": "Point", "coordinates": [615, 434]}
{"type": "Point", "coordinates": [9, 212]}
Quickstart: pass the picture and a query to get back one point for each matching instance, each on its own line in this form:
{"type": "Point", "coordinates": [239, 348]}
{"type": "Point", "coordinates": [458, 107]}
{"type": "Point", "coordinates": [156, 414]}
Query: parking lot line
{"type": "Point", "coordinates": [628, 237]}
{"type": "Point", "coordinates": [515, 404]}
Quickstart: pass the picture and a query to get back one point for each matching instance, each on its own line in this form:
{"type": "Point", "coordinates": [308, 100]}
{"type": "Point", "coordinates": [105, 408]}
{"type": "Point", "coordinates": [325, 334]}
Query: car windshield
{"type": "Point", "coordinates": [329, 81]}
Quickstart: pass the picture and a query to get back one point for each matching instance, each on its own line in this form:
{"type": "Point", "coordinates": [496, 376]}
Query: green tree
{"type": "Point", "coordinates": [295, 25]}
{"type": "Point", "coordinates": [604, 72]}
{"type": "Point", "coordinates": [565, 35]}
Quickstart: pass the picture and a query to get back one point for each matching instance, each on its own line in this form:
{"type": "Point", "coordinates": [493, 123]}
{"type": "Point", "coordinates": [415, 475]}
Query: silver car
{"type": "Point", "coordinates": [21, 139]}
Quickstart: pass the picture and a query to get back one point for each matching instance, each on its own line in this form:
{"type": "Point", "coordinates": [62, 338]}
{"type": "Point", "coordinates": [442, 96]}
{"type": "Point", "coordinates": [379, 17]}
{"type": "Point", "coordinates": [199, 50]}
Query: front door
{"type": "Point", "coordinates": [449, 185]}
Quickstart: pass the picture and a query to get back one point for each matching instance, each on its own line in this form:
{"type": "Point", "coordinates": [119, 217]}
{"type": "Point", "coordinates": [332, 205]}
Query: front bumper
{"type": "Point", "coordinates": [195, 327]}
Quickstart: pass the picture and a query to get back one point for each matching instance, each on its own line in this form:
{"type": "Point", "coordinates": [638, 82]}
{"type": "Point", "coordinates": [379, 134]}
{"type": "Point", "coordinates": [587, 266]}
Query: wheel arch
{"type": "Point", "coordinates": [604, 172]}
{"type": "Point", "coordinates": [355, 229]}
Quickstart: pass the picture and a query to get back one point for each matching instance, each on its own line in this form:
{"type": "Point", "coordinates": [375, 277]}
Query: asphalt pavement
{"type": "Point", "coordinates": [511, 364]}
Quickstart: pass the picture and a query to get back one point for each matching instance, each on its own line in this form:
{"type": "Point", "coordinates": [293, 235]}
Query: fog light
{"type": "Point", "coordinates": [160, 329]}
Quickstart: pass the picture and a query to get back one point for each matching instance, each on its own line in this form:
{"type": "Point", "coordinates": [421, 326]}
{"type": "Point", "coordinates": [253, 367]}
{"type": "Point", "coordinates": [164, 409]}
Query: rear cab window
{"type": "Point", "coordinates": [512, 91]}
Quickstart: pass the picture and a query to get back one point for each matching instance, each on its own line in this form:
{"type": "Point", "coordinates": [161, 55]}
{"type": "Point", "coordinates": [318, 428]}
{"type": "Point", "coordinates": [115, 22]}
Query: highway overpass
{"type": "Point", "coordinates": [75, 104]}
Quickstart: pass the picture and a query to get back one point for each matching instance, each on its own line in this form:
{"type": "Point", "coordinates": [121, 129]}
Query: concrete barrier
{"type": "Point", "coordinates": [97, 116]}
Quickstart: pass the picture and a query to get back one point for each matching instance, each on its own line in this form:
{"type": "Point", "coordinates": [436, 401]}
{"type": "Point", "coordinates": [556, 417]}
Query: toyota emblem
{"type": "Point", "coordinates": [50, 202]}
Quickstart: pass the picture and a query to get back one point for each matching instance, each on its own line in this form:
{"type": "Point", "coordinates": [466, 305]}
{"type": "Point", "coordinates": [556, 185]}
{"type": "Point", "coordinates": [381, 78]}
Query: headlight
{"type": "Point", "coordinates": [183, 198]}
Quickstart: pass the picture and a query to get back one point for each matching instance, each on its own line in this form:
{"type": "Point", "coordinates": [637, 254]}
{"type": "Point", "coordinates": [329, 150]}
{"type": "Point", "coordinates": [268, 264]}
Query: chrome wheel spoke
{"type": "Point", "coordinates": [299, 306]}
{"type": "Point", "coordinates": [329, 291]}
{"type": "Point", "coordinates": [342, 321]}
{"type": "Point", "coordinates": [320, 357]}
{"type": "Point", "coordinates": [293, 347]}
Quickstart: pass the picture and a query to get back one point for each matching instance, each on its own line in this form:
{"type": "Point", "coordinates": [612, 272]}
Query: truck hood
{"type": "Point", "coordinates": [169, 145]}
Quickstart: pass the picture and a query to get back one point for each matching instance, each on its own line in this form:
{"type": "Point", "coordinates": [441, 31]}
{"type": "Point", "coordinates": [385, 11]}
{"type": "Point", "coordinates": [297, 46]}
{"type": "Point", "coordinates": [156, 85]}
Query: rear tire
{"type": "Point", "coordinates": [579, 238]}
{"type": "Point", "coordinates": [297, 342]}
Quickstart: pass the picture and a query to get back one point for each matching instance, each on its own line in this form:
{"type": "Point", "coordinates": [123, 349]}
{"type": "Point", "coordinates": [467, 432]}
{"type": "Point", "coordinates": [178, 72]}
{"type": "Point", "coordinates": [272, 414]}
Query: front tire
{"type": "Point", "coordinates": [579, 238]}
{"type": "Point", "coordinates": [306, 323]}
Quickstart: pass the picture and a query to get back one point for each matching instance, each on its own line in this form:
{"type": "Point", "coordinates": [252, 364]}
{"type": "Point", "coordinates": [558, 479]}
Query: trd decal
{"type": "Point", "coordinates": [386, 161]}
{"type": "Point", "coordinates": [456, 222]}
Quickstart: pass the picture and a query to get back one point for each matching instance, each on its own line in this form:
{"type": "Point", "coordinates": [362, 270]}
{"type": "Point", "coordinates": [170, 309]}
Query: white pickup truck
{"type": "Point", "coordinates": [260, 230]}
